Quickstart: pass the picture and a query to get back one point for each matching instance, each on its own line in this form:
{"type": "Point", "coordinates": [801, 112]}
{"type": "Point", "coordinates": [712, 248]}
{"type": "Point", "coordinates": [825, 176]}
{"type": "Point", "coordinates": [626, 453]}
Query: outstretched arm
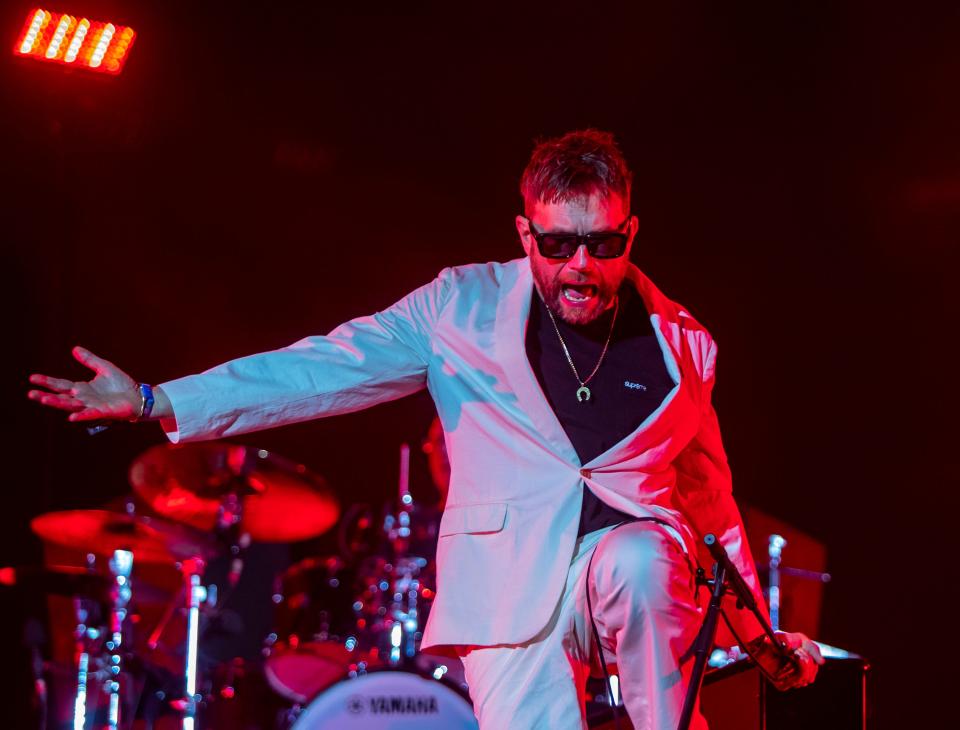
{"type": "Point", "coordinates": [363, 362]}
{"type": "Point", "coordinates": [111, 395]}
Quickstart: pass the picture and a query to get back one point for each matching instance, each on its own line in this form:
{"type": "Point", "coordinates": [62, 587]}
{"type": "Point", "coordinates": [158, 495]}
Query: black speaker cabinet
{"type": "Point", "coordinates": [737, 697]}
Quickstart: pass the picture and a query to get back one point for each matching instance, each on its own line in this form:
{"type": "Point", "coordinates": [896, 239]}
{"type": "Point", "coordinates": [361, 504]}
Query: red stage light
{"type": "Point", "coordinates": [62, 38]}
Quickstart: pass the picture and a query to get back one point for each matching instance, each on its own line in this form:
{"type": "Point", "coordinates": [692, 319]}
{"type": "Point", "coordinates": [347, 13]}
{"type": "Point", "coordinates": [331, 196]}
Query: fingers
{"type": "Point", "coordinates": [791, 640]}
{"type": "Point", "coordinates": [807, 666]}
{"type": "Point", "coordinates": [97, 364]}
{"type": "Point", "coordinates": [805, 661]}
{"type": "Point", "coordinates": [80, 410]}
{"type": "Point", "coordinates": [814, 651]}
{"type": "Point", "coordinates": [808, 670]}
{"type": "Point", "coordinates": [799, 668]}
{"type": "Point", "coordinates": [56, 400]}
{"type": "Point", "coordinates": [58, 385]}
{"type": "Point", "coordinates": [800, 672]}
{"type": "Point", "coordinates": [800, 641]}
{"type": "Point", "coordinates": [110, 395]}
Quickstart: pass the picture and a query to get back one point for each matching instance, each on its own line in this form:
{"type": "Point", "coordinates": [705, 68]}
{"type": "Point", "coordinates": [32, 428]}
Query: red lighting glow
{"type": "Point", "coordinates": [72, 41]}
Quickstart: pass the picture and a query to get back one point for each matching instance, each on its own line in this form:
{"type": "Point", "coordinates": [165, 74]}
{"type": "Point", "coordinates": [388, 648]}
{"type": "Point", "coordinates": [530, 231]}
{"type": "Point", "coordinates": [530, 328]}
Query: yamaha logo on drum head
{"type": "Point", "coordinates": [388, 700]}
{"type": "Point", "coordinates": [393, 705]}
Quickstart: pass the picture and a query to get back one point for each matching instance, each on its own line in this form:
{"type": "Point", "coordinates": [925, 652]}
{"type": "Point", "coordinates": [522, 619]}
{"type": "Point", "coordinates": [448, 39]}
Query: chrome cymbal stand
{"type": "Point", "coordinates": [228, 523]}
{"type": "Point", "coordinates": [775, 546]}
{"type": "Point", "coordinates": [84, 636]}
{"type": "Point", "coordinates": [404, 611]}
{"type": "Point", "coordinates": [121, 565]}
{"type": "Point", "coordinates": [196, 595]}
{"type": "Point", "coordinates": [775, 572]}
{"type": "Point", "coordinates": [404, 584]}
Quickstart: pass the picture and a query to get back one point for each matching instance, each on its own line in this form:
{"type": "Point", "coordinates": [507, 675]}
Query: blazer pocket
{"type": "Point", "coordinates": [473, 519]}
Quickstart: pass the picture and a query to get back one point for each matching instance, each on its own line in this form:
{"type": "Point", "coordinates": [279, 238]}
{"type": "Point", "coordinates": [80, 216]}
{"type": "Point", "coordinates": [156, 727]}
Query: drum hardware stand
{"type": "Point", "coordinates": [229, 515]}
{"type": "Point", "coordinates": [405, 583]}
{"type": "Point", "coordinates": [398, 527]}
{"type": "Point", "coordinates": [153, 641]}
{"type": "Point", "coordinates": [775, 570]}
{"type": "Point", "coordinates": [83, 635]}
{"type": "Point", "coordinates": [725, 577]}
{"type": "Point", "coordinates": [121, 565]}
{"type": "Point", "coordinates": [404, 610]}
{"type": "Point", "coordinates": [196, 595]}
{"type": "Point", "coordinates": [774, 551]}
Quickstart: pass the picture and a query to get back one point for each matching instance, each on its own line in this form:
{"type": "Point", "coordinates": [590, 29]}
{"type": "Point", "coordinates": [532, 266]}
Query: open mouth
{"type": "Point", "coordinates": [578, 293]}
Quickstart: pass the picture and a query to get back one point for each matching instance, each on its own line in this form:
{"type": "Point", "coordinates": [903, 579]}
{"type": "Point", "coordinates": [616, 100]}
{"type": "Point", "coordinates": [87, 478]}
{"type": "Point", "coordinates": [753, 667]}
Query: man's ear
{"type": "Point", "coordinates": [632, 228]}
{"type": "Point", "coordinates": [523, 228]}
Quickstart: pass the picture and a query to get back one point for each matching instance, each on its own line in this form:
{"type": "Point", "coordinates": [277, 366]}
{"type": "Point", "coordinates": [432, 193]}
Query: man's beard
{"type": "Point", "coordinates": [551, 290]}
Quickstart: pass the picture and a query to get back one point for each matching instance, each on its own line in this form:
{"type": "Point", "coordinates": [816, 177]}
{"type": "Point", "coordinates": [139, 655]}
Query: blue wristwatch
{"type": "Point", "coordinates": [146, 401]}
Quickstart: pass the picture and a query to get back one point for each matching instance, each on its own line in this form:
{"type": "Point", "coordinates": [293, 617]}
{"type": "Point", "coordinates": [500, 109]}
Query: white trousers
{"type": "Point", "coordinates": [642, 590]}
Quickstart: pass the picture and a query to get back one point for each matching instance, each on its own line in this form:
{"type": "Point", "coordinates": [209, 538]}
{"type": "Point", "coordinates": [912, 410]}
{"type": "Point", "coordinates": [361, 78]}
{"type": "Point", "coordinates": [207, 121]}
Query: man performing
{"type": "Point", "coordinates": [586, 459]}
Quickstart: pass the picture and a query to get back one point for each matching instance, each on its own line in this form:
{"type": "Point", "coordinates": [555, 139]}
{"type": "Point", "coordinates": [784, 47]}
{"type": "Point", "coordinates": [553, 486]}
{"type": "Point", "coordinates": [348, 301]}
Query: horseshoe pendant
{"type": "Point", "coordinates": [583, 394]}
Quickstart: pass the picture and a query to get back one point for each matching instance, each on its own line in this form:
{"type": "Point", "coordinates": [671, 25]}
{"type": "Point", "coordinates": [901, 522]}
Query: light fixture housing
{"type": "Point", "coordinates": [71, 40]}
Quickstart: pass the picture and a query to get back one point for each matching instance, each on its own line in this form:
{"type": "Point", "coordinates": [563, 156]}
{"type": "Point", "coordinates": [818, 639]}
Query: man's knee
{"type": "Point", "coordinates": [639, 560]}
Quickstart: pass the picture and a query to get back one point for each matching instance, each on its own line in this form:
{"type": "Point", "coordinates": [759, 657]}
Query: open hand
{"type": "Point", "coordinates": [111, 395]}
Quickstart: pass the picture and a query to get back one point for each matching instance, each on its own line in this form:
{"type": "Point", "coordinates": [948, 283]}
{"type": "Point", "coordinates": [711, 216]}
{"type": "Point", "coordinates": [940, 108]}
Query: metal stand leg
{"type": "Point", "coordinates": [121, 565]}
{"type": "Point", "coordinates": [83, 636]}
{"type": "Point", "coordinates": [196, 595]}
{"type": "Point", "coordinates": [80, 701]}
{"type": "Point", "coordinates": [774, 550]}
{"type": "Point", "coordinates": [725, 575]}
{"type": "Point", "coordinates": [704, 643]}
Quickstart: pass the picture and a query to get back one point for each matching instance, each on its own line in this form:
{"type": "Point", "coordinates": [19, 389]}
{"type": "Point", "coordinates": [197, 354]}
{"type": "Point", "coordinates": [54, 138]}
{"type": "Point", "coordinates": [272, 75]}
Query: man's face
{"type": "Point", "coordinates": [581, 288]}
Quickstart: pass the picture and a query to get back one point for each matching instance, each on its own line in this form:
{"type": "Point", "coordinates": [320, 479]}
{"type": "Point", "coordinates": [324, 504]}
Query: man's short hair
{"type": "Point", "coordinates": [573, 167]}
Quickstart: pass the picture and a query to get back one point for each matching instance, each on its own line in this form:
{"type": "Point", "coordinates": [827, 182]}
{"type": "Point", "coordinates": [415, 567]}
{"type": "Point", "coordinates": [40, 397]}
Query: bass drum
{"type": "Point", "coordinates": [389, 700]}
{"type": "Point", "coordinates": [315, 627]}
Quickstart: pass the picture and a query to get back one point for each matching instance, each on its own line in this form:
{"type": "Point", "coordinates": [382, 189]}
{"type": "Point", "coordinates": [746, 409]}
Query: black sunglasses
{"type": "Point", "coordinates": [600, 245]}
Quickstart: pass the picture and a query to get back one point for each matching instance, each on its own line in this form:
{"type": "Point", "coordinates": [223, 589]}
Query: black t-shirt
{"type": "Point", "coordinates": [630, 384]}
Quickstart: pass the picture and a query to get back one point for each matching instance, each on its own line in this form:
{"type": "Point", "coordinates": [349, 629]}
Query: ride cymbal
{"type": "Point", "coordinates": [277, 500]}
{"type": "Point", "coordinates": [150, 539]}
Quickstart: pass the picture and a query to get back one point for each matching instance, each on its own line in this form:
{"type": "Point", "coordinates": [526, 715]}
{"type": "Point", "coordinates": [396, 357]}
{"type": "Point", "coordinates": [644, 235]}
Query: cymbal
{"type": "Point", "coordinates": [151, 540]}
{"type": "Point", "coordinates": [280, 501]}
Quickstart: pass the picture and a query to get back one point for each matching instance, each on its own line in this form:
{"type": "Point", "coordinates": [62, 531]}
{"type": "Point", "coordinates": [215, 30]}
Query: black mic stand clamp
{"type": "Point", "coordinates": [725, 577]}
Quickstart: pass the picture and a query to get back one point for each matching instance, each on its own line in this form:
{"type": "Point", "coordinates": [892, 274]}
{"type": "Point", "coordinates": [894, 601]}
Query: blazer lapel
{"type": "Point", "coordinates": [663, 319]}
{"type": "Point", "coordinates": [513, 313]}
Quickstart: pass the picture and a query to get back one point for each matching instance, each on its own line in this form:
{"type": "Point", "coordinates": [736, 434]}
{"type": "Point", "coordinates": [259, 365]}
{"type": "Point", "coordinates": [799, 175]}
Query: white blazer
{"type": "Point", "coordinates": [508, 532]}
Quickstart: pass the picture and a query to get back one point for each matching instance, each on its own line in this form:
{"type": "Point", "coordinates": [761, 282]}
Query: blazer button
{"type": "Point", "coordinates": [586, 473]}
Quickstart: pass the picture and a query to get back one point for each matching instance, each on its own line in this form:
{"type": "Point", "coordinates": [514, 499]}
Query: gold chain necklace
{"type": "Point", "coordinates": [583, 392]}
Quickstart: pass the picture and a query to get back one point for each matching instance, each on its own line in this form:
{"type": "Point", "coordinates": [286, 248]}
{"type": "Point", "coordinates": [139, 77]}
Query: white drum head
{"type": "Point", "coordinates": [388, 700]}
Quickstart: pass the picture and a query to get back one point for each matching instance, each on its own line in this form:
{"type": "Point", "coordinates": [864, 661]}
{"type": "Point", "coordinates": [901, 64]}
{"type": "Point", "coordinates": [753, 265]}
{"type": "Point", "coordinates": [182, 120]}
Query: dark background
{"type": "Point", "coordinates": [257, 174]}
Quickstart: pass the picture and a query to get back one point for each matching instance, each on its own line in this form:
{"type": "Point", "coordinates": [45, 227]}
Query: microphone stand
{"type": "Point", "coordinates": [726, 577]}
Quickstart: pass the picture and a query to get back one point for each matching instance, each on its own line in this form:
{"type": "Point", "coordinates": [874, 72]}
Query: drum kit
{"type": "Point", "coordinates": [343, 650]}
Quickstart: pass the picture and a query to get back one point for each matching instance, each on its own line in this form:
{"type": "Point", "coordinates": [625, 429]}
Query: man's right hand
{"type": "Point", "coordinates": [111, 395]}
